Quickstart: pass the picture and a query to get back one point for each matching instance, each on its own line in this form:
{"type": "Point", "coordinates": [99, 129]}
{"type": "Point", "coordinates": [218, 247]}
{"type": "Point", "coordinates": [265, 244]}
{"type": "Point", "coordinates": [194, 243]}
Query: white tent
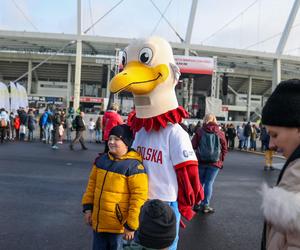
{"type": "Point", "coordinates": [4, 97]}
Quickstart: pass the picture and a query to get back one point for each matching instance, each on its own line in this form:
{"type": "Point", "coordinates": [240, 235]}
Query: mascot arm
{"type": "Point", "coordinates": [190, 191]}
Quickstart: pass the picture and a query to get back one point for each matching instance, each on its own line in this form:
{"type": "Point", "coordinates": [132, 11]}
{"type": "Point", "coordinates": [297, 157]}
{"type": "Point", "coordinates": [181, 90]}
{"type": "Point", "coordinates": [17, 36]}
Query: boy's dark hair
{"type": "Point", "coordinates": [157, 225]}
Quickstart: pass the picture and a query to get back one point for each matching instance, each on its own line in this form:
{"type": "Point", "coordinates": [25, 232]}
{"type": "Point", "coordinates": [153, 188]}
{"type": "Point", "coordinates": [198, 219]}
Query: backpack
{"type": "Point", "coordinates": [209, 147]}
{"type": "Point", "coordinates": [3, 123]}
{"type": "Point", "coordinates": [50, 118]}
{"type": "Point", "coordinates": [74, 124]}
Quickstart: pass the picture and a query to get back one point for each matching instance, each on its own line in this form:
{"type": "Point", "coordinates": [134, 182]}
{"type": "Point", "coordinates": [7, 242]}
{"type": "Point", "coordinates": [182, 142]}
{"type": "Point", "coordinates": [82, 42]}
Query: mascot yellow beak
{"type": "Point", "coordinates": [139, 78]}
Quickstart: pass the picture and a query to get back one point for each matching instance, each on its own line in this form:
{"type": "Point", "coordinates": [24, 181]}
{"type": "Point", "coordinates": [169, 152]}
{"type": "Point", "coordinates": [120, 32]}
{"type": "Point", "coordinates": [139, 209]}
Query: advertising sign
{"type": "Point", "coordinates": [89, 99]}
{"type": "Point", "coordinates": [190, 64]}
{"type": "Point", "coordinates": [195, 64]}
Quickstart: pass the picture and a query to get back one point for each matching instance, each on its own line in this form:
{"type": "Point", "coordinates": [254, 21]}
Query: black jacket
{"type": "Point", "coordinates": [79, 123]}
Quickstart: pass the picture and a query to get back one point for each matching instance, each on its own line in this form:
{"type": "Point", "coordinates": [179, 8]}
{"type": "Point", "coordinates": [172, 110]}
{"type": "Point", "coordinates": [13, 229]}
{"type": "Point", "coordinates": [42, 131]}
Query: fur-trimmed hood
{"type": "Point", "coordinates": [281, 208]}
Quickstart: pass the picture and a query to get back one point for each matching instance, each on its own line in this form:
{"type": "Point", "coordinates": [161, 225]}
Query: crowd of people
{"type": "Point", "coordinates": [55, 126]}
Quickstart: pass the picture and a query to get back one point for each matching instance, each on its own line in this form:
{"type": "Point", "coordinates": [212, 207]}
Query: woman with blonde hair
{"type": "Point", "coordinates": [209, 118]}
{"type": "Point", "coordinates": [211, 147]}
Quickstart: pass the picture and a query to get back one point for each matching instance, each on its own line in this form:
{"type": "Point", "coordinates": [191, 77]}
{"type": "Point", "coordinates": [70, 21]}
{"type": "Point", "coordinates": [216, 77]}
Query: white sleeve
{"type": "Point", "coordinates": [181, 149]}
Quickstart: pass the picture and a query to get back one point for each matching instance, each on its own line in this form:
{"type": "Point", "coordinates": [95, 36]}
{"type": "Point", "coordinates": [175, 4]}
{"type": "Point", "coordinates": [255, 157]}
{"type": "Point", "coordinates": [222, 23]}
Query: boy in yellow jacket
{"type": "Point", "coordinates": [116, 190]}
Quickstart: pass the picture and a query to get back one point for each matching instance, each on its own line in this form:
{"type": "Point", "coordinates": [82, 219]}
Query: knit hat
{"type": "Point", "coordinates": [124, 133]}
{"type": "Point", "coordinates": [157, 225]}
{"type": "Point", "coordinates": [283, 106]}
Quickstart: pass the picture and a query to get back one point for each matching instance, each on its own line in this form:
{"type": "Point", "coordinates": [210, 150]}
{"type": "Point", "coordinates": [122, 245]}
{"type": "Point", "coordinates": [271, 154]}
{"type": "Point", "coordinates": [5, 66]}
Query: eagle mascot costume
{"type": "Point", "coordinates": [150, 73]}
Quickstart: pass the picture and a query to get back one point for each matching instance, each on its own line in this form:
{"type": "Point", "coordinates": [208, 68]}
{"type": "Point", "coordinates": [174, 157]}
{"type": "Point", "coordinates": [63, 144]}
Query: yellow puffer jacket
{"type": "Point", "coordinates": [115, 192]}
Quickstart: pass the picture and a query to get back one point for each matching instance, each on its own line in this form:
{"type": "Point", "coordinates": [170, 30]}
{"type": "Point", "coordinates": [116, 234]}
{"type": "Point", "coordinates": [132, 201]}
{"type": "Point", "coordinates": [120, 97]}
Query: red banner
{"type": "Point", "coordinates": [89, 99]}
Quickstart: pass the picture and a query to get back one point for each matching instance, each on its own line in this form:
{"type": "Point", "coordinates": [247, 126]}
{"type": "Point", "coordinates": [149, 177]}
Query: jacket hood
{"type": "Point", "coordinates": [281, 208]}
{"type": "Point", "coordinates": [211, 127]}
{"type": "Point", "coordinates": [131, 154]}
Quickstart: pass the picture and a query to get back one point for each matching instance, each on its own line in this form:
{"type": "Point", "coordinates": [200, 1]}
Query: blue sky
{"type": "Point", "coordinates": [138, 18]}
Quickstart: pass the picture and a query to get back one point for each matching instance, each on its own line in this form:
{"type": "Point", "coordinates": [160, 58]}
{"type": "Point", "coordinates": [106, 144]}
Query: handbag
{"type": "Point", "coordinates": [22, 129]}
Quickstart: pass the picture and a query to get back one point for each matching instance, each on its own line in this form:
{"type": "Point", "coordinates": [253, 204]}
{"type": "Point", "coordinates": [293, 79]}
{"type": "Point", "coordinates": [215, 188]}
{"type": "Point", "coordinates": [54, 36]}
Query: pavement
{"type": "Point", "coordinates": [41, 192]}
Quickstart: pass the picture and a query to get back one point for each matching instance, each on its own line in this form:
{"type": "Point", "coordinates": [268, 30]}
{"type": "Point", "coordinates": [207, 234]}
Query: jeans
{"type": "Point", "coordinates": [104, 241]}
{"type": "Point", "coordinates": [247, 142]}
{"type": "Point", "coordinates": [241, 143]}
{"type": "Point", "coordinates": [207, 176]}
{"type": "Point", "coordinates": [91, 134]}
{"type": "Point", "coordinates": [48, 133]}
{"type": "Point", "coordinates": [174, 206]}
{"type": "Point", "coordinates": [30, 135]}
{"type": "Point", "coordinates": [253, 144]}
{"type": "Point", "coordinates": [98, 135]}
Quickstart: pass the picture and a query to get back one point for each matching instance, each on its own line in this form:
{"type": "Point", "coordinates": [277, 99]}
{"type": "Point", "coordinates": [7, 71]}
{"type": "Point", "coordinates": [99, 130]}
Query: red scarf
{"type": "Point", "coordinates": [172, 116]}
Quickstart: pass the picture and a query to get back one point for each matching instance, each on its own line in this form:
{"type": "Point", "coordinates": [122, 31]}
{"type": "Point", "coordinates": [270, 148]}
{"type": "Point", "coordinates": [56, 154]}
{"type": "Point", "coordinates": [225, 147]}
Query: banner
{"type": "Point", "coordinates": [23, 98]}
{"type": "Point", "coordinates": [195, 64]}
{"type": "Point", "coordinates": [213, 106]}
{"type": "Point", "coordinates": [14, 98]}
{"type": "Point", "coordinates": [4, 97]}
{"type": "Point", "coordinates": [187, 64]}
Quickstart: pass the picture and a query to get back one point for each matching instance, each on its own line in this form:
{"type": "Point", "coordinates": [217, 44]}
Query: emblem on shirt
{"type": "Point", "coordinates": [186, 153]}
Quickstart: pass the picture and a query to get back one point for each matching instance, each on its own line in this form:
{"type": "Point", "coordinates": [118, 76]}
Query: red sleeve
{"type": "Point", "coordinates": [120, 120]}
{"type": "Point", "coordinates": [224, 148]}
{"type": "Point", "coordinates": [103, 121]}
{"type": "Point", "coordinates": [190, 191]}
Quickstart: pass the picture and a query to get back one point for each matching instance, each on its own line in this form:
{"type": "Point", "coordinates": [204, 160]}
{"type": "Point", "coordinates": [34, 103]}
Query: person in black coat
{"type": "Point", "coordinates": [231, 132]}
{"type": "Point", "coordinates": [247, 134]}
{"type": "Point", "coordinates": [80, 128]}
{"type": "Point", "coordinates": [55, 132]}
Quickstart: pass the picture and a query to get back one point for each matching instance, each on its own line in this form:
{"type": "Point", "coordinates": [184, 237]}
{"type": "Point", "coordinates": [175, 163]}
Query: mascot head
{"type": "Point", "coordinates": [150, 73]}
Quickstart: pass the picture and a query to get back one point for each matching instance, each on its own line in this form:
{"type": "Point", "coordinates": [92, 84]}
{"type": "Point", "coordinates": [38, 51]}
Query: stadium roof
{"type": "Point", "coordinates": [238, 64]}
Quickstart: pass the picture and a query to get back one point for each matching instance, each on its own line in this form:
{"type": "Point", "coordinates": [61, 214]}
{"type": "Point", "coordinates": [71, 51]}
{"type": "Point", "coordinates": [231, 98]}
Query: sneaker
{"type": "Point", "coordinates": [208, 210]}
{"type": "Point", "coordinates": [85, 148]}
{"type": "Point", "coordinates": [272, 168]}
{"type": "Point", "coordinates": [197, 208]}
{"type": "Point", "coordinates": [54, 147]}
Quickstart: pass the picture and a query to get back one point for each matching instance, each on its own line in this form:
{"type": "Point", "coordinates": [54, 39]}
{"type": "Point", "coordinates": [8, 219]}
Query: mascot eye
{"type": "Point", "coordinates": [145, 55]}
{"type": "Point", "coordinates": [124, 58]}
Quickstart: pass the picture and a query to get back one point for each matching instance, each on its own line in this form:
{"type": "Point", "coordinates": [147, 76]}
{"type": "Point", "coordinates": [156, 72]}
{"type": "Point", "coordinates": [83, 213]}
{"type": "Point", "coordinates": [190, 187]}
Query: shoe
{"type": "Point", "coordinates": [85, 148]}
{"type": "Point", "coordinates": [272, 168]}
{"type": "Point", "coordinates": [207, 210]}
{"type": "Point", "coordinates": [197, 208]}
{"type": "Point", "coordinates": [54, 147]}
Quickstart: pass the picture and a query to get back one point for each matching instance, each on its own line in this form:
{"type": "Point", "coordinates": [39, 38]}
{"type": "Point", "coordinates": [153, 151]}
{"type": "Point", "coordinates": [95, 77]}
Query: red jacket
{"type": "Point", "coordinates": [17, 123]}
{"type": "Point", "coordinates": [211, 127]}
{"type": "Point", "coordinates": [110, 119]}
